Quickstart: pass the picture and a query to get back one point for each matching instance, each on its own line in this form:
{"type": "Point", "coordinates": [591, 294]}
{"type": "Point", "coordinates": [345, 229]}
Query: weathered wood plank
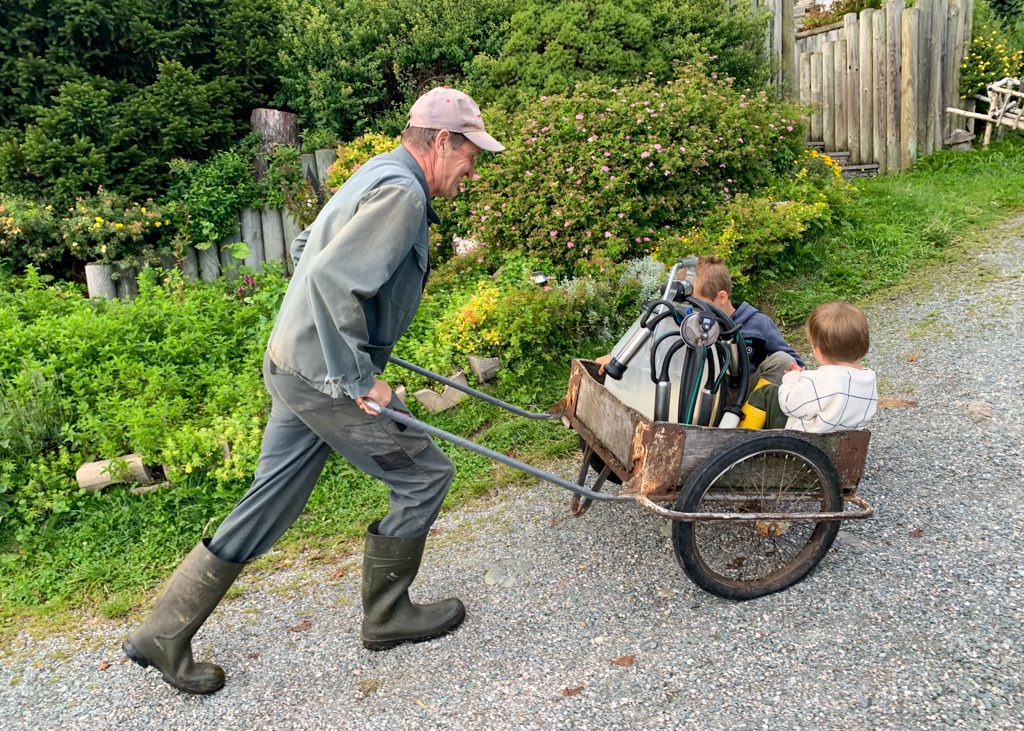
{"type": "Point", "coordinates": [841, 97]}
{"type": "Point", "coordinates": [893, 60]}
{"type": "Point", "coordinates": [879, 93]}
{"type": "Point", "coordinates": [852, 32]}
{"type": "Point", "coordinates": [936, 60]}
{"type": "Point", "coordinates": [828, 94]}
{"type": "Point", "coordinates": [908, 91]}
{"type": "Point", "coordinates": [816, 97]}
{"type": "Point", "coordinates": [866, 107]}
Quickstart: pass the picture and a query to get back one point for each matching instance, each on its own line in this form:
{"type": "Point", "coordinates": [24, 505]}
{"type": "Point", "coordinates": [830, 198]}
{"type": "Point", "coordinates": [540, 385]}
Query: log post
{"type": "Point", "coordinates": [866, 107]}
{"type": "Point", "coordinates": [893, 59]}
{"type": "Point", "coordinates": [908, 92]}
{"type": "Point", "coordinates": [805, 92]}
{"type": "Point", "coordinates": [209, 263]}
{"type": "Point", "coordinates": [127, 282]}
{"type": "Point", "coordinates": [879, 113]}
{"type": "Point", "coordinates": [842, 96]}
{"type": "Point", "coordinates": [789, 53]}
{"type": "Point", "coordinates": [99, 281]}
{"type": "Point", "coordinates": [926, 8]}
{"type": "Point", "coordinates": [828, 101]}
{"type": "Point", "coordinates": [816, 97]}
{"type": "Point", "coordinates": [252, 236]}
{"type": "Point", "coordinates": [852, 31]}
{"type": "Point", "coordinates": [189, 265]}
{"type": "Point", "coordinates": [274, 127]}
{"type": "Point", "coordinates": [273, 235]}
{"type": "Point", "coordinates": [953, 59]}
{"type": "Point", "coordinates": [936, 96]}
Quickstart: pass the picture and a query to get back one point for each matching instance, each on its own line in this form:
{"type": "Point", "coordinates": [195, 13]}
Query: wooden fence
{"type": "Point", "coordinates": [266, 232]}
{"type": "Point", "coordinates": [877, 83]}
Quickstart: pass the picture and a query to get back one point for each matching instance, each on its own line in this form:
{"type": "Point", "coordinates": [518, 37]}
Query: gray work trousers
{"type": "Point", "coordinates": [304, 426]}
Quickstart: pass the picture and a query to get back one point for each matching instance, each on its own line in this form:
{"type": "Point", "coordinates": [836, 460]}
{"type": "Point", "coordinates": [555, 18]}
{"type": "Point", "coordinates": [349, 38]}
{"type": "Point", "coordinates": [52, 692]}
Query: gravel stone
{"type": "Point", "coordinates": [912, 621]}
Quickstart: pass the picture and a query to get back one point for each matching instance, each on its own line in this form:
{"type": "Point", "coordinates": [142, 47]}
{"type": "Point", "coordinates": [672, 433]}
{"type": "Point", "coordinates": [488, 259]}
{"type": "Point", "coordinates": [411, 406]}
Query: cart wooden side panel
{"type": "Point", "coordinates": [654, 458]}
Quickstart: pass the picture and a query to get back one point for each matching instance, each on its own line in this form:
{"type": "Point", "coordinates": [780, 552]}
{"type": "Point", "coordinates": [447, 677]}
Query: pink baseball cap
{"type": "Point", "coordinates": [447, 108]}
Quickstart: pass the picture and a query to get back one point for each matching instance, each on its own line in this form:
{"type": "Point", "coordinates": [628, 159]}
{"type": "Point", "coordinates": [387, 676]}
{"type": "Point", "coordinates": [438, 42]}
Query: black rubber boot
{"type": "Point", "coordinates": [389, 617]}
{"type": "Point", "coordinates": [165, 639]}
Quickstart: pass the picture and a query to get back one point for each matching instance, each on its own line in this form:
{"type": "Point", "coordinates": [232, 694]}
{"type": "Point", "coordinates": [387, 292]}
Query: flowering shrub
{"type": "Point", "coordinates": [818, 16]}
{"type": "Point", "coordinates": [611, 173]}
{"type": "Point", "coordinates": [104, 227]}
{"type": "Point", "coordinates": [753, 231]}
{"type": "Point", "coordinates": [991, 58]}
{"type": "Point", "coordinates": [352, 155]}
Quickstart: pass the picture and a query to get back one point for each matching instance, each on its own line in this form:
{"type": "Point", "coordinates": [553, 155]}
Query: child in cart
{"type": "Point", "coordinates": [839, 395]}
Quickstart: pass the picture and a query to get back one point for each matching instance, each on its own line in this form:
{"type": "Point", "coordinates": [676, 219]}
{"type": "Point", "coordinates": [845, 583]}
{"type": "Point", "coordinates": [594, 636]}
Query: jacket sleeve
{"type": "Point", "coordinates": [798, 395]}
{"type": "Point", "coordinates": [298, 246]}
{"type": "Point", "coordinates": [775, 343]}
{"type": "Point", "coordinates": [357, 260]}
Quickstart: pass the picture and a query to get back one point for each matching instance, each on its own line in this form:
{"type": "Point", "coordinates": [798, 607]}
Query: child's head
{"type": "Point", "coordinates": [712, 282]}
{"type": "Point", "coordinates": [838, 332]}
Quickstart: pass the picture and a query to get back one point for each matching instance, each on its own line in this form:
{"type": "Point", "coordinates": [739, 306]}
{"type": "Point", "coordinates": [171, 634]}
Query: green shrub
{"type": "Point", "coordinates": [352, 155]}
{"type": "Point", "coordinates": [554, 44]}
{"type": "Point", "coordinates": [106, 94]}
{"type": "Point", "coordinates": [358, 64]}
{"type": "Point", "coordinates": [101, 228]}
{"type": "Point", "coordinates": [612, 173]}
{"type": "Point", "coordinates": [993, 55]}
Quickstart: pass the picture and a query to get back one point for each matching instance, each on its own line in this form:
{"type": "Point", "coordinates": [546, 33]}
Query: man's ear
{"type": "Point", "coordinates": [442, 141]}
{"type": "Point", "coordinates": [722, 298]}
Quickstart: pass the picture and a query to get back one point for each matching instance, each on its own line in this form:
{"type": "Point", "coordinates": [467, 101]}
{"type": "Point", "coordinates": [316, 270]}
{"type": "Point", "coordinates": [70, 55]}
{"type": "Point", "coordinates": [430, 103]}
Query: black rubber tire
{"type": "Point", "coordinates": [697, 542]}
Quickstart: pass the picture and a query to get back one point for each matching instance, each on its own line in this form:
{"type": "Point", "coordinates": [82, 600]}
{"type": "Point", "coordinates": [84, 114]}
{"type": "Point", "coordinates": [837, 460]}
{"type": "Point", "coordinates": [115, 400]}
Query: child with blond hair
{"type": "Point", "coordinates": [839, 395]}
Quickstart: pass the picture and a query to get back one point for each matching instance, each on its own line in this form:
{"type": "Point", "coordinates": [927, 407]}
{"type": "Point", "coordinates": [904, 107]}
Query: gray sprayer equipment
{"type": "Point", "coordinates": [684, 345]}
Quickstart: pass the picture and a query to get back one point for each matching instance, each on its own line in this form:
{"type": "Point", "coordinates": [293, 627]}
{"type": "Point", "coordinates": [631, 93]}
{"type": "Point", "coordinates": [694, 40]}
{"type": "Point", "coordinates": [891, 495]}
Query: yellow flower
{"type": "Point", "coordinates": [99, 220]}
{"type": "Point", "coordinates": [118, 225]}
{"type": "Point", "coordinates": [157, 223]}
{"type": "Point", "coordinates": [143, 209]}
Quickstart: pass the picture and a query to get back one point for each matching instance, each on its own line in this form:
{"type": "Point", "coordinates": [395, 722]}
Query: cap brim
{"type": "Point", "coordinates": [484, 141]}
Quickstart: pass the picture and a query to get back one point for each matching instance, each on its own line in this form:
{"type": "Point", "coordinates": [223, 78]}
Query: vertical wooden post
{"type": "Point", "coordinates": [189, 265]}
{"type": "Point", "coordinates": [816, 97]}
{"type": "Point", "coordinates": [777, 43]}
{"type": "Point", "coordinates": [908, 91]}
{"type": "Point", "coordinates": [788, 48]}
{"type": "Point", "coordinates": [893, 59]}
{"type": "Point", "coordinates": [867, 122]}
{"type": "Point", "coordinates": [879, 92]}
{"type": "Point", "coordinates": [273, 234]}
{"type": "Point", "coordinates": [127, 282]}
{"type": "Point", "coordinates": [274, 127]}
{"type": "Point", "coordinates": [828, 94]}
{"type": "Point", "coordinates": [99, 281]}
{"type": "Point", "coordinates": [926, 8]}
{"type": "Point", "coordinates": [252, 236]}
{"type": "Point", "coordinates": [228, 263]}
{"type": "Point", "coordinates": [805, 92]}
{"type": "Point", "coordinates": [852, 31]}
{"type": "Point", "coordinates": [209, 263]}
{"type": "Point", "coordinates": [936, 59]}
{"type": "Point", "coordinates": [953, 59]}
{"type": "Point", "coordinates": [842, 94]}
{"type": "Point", "coordinates": [324, 159]}
{"type": "Point", "coordinates": [291, 232]}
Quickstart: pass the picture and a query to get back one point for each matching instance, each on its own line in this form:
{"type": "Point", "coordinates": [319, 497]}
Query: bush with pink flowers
{"type": "Point", "coordinates": [612, 173]}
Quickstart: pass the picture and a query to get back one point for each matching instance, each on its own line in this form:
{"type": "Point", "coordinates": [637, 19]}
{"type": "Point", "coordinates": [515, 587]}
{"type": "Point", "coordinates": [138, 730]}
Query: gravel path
{"type": "Point", "coordinates": [912, 621]}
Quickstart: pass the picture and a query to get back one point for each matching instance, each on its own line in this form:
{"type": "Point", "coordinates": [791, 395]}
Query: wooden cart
{"type": "Point", "coordinates": [753, 511]}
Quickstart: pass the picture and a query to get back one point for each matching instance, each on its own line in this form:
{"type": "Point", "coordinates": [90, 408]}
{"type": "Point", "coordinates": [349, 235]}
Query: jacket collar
{"type": "Point", "coordinates": [405, 157]}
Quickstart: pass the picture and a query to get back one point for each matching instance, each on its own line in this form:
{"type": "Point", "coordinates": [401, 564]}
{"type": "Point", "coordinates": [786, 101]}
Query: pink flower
{"type": "Point", "coordinates": [578, 181]}
{"type": "Point", "coordinates": [570, 245]}
{"type": "Point", "coordinates": [479, 260]}
{"type": "Point", "coordinates": [637, 239]}
{"type": "Point", "coordinates": [487, 207]}
{"type": "Point", "coordinates": [605, 168]}
{"type": "Point", "coordinates": [741, 140]}
{"type": "Point", "coordinates": [579, 116]}
{"type": "Point", "coordinates": [645, 153]}
{"type": "Point", "coordinates": [607, 234]}
{"type": "Point", "coordinates": [789, 128]}
{"type": "Point", "coordinates": [647, 238]}
{"type": "Point", "coordinates": [657, 147]}
{"type": "Point", "coordinates": [476, 176]}
{"type": "Point", "coordinates": [607, 154]}
{"type": "Point", "coordinates": [554, 234]}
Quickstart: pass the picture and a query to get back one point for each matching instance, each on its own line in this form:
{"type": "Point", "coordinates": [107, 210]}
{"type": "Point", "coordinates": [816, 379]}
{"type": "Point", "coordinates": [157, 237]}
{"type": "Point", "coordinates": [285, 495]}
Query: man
{"type": "Point", "coordinates": [359, 277]}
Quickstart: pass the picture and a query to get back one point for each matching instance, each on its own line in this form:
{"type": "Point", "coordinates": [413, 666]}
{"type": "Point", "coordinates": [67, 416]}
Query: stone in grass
{"type": "Point", "coordinates": [484, 368]}
{"type": "Point", "coordinates": [435, 402]}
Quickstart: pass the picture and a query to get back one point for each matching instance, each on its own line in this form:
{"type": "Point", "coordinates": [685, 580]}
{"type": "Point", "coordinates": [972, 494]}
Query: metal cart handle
{"type": "Point", "coordinates": [471, 391]}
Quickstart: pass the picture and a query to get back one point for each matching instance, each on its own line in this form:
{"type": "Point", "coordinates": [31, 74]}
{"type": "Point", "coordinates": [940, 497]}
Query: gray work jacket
{"type": "Point", "coordinates": [360, 270]}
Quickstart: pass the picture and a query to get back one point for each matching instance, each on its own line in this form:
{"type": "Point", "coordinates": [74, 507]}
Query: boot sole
{"type": "Point", "coordinates": [381, 645]}
{"type": "Point", "coordinates": [136, 657]}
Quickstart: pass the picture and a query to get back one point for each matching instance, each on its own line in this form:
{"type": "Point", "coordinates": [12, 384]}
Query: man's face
{"type": "Point", "coordinates": [451, 166]}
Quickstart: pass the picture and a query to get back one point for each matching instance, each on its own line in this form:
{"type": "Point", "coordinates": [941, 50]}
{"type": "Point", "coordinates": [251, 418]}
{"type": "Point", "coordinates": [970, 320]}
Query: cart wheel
{"type": "Point", "coordinates": [769, 473]}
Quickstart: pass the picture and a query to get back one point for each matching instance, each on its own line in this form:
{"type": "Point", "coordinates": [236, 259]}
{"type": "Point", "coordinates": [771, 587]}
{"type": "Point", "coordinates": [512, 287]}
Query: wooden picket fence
{"type": "Point", "coordinates": [878, 83]}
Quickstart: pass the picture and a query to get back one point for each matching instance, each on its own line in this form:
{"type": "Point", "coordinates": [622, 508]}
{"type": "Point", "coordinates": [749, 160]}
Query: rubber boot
{"type": "Point", "coordinates": [389, 617]}
{"type": "Point", "coordinates": [165, 639]}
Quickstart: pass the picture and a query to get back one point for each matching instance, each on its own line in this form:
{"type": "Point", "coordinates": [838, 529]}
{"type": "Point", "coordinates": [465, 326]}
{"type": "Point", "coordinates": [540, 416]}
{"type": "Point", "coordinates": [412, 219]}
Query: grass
{"type": "Point", "coordinates": [899, 223]}
{"type": "Point", "coordinates": [104, 557]}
